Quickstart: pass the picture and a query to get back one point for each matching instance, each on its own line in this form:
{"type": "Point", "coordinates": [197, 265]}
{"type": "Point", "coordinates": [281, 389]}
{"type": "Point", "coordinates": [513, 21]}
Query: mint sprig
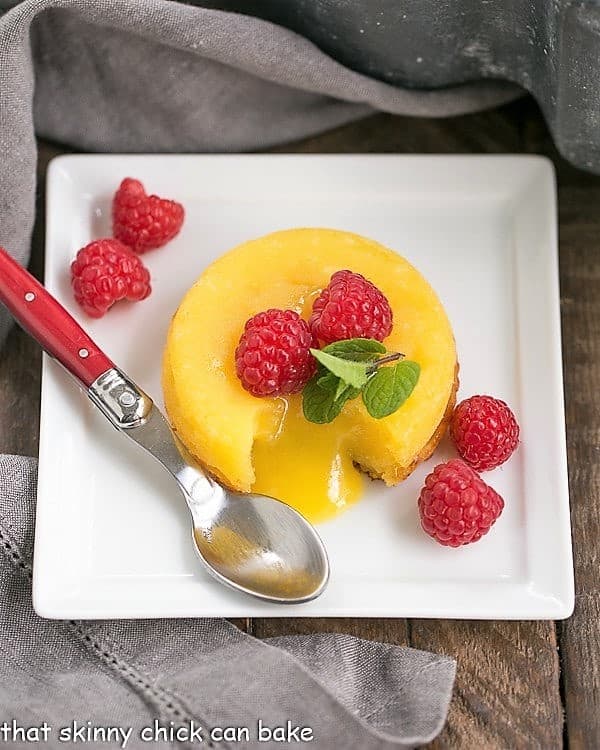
{"type": "Point", "coordinates": [348, 368]}
{"type": "Point", "coordinates": [324, 396]}
{"type": "Point", "coordinates": [389, 387]}
{"type": "Point", "coordinates": [351, 372]}
{"type": "Point", "coordinates": [358, 350]}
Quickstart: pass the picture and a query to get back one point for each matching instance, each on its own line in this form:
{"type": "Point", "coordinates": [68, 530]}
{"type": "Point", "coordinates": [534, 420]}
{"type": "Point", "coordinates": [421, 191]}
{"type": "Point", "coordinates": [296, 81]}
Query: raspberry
{"type": "Point", "coordinates": [485, 432]}
{"type": "Point", "coordinates": [106, 271]}
{"type": "Point", "coordinates": [350, 307]}
{"type": "Point", "coordinates": [142, 221]}
{"type": "Point", "coordinates": [456, 506]}
{"type": "Point", "coordinates": [273, 357]}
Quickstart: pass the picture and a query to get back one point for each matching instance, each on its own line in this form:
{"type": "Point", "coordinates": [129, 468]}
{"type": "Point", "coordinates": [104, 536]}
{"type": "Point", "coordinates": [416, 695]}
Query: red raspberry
{"type": "Point", "coordinates": [106, 271]}
{"type": "Point", "coordinates": [273, 357]}
{"type": "Point", "coordinates": [144, 221]}
{"type": "Point", "coordinates": [456, 506]}
{"type": "Point", "coordinates": [484, 431]}
{"type": "Point", "coordinates": [350, 307]}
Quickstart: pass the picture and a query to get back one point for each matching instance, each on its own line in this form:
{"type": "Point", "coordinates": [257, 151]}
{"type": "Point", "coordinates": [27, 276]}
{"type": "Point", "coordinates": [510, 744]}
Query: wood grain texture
{"type": "Point", "coordinates": [507, 686]}
{"type": "Point", "coordinates": [579, 233]}
{"type": "Point", "coordinates": [376, 629]}
{"type": "Point", "coordinates": [487, 132]}
{"type": "Point", "coordinates": [508, 691]}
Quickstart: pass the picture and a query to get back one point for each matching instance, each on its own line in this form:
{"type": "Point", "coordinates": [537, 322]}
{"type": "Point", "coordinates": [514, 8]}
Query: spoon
{"type": "Point", "coordinates": [252, 543]}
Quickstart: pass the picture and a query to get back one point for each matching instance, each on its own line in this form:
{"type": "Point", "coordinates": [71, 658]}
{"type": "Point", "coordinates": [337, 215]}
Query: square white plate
{"type": "Point", "coordinates": [112, 533]}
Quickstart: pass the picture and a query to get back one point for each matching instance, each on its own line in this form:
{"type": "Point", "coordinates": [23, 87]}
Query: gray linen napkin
{"type": "Point", "coordinates": [352, 694]}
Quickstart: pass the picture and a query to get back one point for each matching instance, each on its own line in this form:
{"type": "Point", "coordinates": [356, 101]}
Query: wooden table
{"type": "Point", "coordinates": [519, 684]}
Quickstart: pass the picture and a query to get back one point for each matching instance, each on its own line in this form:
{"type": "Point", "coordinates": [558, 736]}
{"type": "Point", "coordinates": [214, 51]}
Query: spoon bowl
{"type": "Point", "coordinates": [253, 543]}
{"type": "Point", "coordinates": [261, 546]}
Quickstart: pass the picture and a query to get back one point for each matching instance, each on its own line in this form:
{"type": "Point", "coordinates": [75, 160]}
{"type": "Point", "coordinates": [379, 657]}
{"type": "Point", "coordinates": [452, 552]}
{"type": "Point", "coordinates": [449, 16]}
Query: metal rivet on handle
{"type": "Point", "coordinates": [29, 297]}
{"type": "Point", "coordinates": [127, 399]}
{"type": "Point", "coordinates": [83, 353]}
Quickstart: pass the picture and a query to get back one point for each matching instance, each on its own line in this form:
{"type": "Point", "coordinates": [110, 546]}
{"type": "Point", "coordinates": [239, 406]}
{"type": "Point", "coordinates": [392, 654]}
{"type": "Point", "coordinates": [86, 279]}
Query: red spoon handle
{"type": "Point", "coordinates": [44, 318]}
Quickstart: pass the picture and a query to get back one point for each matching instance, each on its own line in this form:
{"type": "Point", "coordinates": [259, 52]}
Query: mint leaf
{"type": "Point", "coordinates": [389, 387]}
{"type": "Point", "coordinates": [352, 373]}
{"type": "Point", "coordinates": [327, 380]}
{"type": "Point", "coordinates": [347, 368]}
{"type": "Point", "coordinates": [341, 389]}
{"type": "Point", "coordinates": [347, 392]}
{"type": "Point", "coordinates": [318, 400]}
{"type": "Point", "coordinates": [358, 350]}
{"type": "Point", "coordinates": [324, 397]}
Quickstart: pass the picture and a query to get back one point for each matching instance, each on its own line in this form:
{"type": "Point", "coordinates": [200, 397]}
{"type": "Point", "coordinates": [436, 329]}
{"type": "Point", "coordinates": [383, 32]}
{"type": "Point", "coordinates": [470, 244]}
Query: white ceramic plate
{"type": "Point", "coordinates": [112, 533]}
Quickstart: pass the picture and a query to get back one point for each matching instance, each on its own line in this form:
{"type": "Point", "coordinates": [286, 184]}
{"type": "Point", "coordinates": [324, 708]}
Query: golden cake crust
{"type": "Point", "coordinates": [398, 474]}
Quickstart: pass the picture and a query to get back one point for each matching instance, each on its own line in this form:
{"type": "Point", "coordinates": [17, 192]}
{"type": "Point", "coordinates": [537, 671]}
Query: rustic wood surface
{"type": "Point", "coordinates": [519, 684]}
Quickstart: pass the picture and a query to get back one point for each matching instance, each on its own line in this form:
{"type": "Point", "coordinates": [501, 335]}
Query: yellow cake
{"type": "Point", "coordinates": [265, 444]}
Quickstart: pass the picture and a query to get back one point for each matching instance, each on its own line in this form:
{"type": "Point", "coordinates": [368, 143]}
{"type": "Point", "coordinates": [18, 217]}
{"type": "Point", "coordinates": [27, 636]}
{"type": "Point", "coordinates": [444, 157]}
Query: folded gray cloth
{"type": "Point", "coordinates": [151, 75]}
{"type": "Point", "coordinates": [202, 674]}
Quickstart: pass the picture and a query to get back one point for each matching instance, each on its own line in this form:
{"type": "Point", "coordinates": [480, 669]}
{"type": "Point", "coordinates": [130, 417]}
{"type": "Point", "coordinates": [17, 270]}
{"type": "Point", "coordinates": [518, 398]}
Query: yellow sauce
{"type": "Point", "coordinates": [307, 465]}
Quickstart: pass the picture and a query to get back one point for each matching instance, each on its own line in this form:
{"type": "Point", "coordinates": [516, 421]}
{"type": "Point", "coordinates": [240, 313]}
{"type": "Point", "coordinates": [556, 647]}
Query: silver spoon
{"type": "Point", "coordinates": [252, 543]}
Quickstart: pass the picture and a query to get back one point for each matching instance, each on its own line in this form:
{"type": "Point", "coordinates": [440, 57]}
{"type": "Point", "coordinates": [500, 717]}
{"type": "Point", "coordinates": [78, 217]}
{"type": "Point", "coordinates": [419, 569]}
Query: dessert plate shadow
{"type": "Point", "coordinates": [111, 534]}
